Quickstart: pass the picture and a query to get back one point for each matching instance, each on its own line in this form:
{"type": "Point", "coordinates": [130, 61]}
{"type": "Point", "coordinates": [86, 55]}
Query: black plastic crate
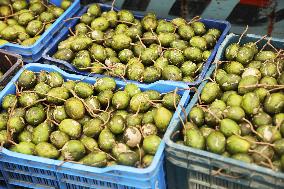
{"type": "Point", "coordinates": [9, 65]}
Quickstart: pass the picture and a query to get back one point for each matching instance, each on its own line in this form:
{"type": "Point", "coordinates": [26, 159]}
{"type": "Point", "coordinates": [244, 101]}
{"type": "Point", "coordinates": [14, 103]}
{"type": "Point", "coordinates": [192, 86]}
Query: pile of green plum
{"type": "Point", "coordinates": [146, 50]}
{"type": "Point", "coordinates": [94, 124]}
{"type": "Point", "coordinates": [240, 113]}
{"type": "Point", "coordinates": [23, 21]}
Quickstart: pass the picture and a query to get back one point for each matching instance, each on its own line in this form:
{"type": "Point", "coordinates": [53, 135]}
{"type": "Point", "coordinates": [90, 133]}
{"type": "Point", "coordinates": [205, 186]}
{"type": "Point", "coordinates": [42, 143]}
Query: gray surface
{"type": "Point", "coordinates": [219, 9]}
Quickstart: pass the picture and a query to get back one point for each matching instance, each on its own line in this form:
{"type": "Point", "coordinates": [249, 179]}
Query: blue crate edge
{"type": "Point", "coordinates": [74, 4]}
{"type": "Point", "coordinates": [46, 54]}
{"type": "Point", "coordinates": [151, 168]}
{"type": "Point", "coordinates": [185, 149]}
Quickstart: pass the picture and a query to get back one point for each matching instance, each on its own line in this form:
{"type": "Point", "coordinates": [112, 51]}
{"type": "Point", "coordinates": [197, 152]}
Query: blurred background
{"type": "Point", "coordinates": [264, 17]}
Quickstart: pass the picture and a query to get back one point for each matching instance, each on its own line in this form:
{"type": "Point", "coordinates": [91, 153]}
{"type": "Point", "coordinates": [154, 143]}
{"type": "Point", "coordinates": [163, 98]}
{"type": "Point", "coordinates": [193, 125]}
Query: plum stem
{"type": "Point", "coordinates": [12, 142]}
{"type": "Point", "coordinates": [184, 113]}
{"type": "Point", "coordinates": [175, 93]}
{"type": "Point", "coordinates": [208, 110]}
{"type": "Point", "coordinates": [243, 34]}
{"type": "Point", "coordinates": [72, 18]}
{"type": "Point", "coordinates": [277, 88]}
{"type": "Point", "coordinates": [43, 94]}
{"type": "Point", "coordinates": [263, 47]}
{"type": "Point", "coordinates": [255, 142]}
{"type": "Point", "coordinates": [139, 38]}
{"type": "Point", "coordinates": [174, 134]}
{"type": "Point", "coordinates": [265, 157]}
{"type": "Point", "coordinates": [215, 72]}
{"type": "Point", "coordinates": [108, 118]}
{"type": "Point", "coordinates": [219, 172]}
{"type": "Point", "coordinates": [105, 153]}
{"type": "Point", "coordinates": [7, 58]}
{"type": "Point", "coordinates": [269, 44]}
{"type": "Point", "coordinates": [54, 122]}
{"type": "Point", "coordinates": [160, 44]}
{"type": "Point", "coordinates": [121, 21]}
{"type": "Point", "coordinates": [15, 14]}
{"type": "Point", "coordinates": [112, 5]}
{"type": "Point", "coordinates": [194, 19]}
{"type": "Point", "coordinates": [89, 27]}
{"type": "Point", "coordinates": [267, 165]}
{"type": "Point", "coordinates": [71, 31]}
{"type": "Point", "coordinates": [108, 103]}
{"type": "Point", "coordinates": [40, 100]}
{"type": "Point", "coordinates": [11, 8]}
{"type": "Point", "coordinates": [46, 5]}
{"type": "Point", "coordinates": [138, 109]}
{"type": "Point", "coordinates": [263, 37]}
{"type": "Point", "coordinates": [41, 29]}
{"type": "Point", "coordinates": [261, 85]}
{"type": "Point", "coordinates": [251, 127]}
{"type": "Point", "coordinates": [86, 105]}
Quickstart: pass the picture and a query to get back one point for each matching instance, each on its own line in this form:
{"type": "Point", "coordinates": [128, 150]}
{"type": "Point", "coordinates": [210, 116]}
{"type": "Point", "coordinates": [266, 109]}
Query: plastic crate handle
{"type": "Point", "coordinates": [230, 175]}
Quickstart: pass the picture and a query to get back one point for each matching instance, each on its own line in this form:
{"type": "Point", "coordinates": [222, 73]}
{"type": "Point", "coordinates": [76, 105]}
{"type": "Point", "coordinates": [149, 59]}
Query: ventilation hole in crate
{"type": "Point", "coordinates": [13, 166]}
{"type": "Point", "coordinates": [221, 183]}
{"type": "Point", "coordinates": [54, 183]}
{"type": "Point", "coordinates": [65, 176]}
{"type": "Point", "coordinates": [109, 184]}
{"type": "Point", "coordinates": [102, 183]}
{"type": "Point", "coordinates": [27, 169]}
{"type": "Point", "coordinates": [86, 180]}
{"type": "Point", "coordinates": [128, 187]}
{"type": "Point", "coordinates": [43, 172]}
{"type": "Point", "coordinates": [78, 179]}
{"type": "Point", "coordinates": [72, 186]}
{"type": "Point", "coordinates": [236, 186]}
{"type": "Point", "coordinates": [198, 180]}
{"type": "Point", "coordinates": [13, 176]}
{"type": "Point", "coordinates": [95, 182]}
{"type": "Point", "coordinates": [3, 184]}
{"type": "Point", "coordinates": [198, 186]}
{"type": "Point", "coordinates": [71, 177]}
{"type": "Point", "coordinates": [20, 177]}
{"type": "Point", "coordinates": [41, 181]}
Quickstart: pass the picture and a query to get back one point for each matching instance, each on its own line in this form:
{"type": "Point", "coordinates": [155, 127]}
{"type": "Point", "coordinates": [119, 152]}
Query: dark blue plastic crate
{"type": "Point", "coordinates": [37, 172]}
{"type": "Point", "coordinates": [223, 26]}
{"type": "Point", "coordinates": [192, 168]}
{"type": "Point", "coordinates": [34, 53]}
{"type": "Point", "coordinates": [10, 64]}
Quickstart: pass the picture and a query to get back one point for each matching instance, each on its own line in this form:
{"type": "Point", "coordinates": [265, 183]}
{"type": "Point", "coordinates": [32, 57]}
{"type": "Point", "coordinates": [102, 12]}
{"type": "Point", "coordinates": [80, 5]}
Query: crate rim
{"type": "Point", "coordinates": [186, 149]}
{"type": "Point", "coordinates": [58, 20]}
{"type": "Point", "coordinates": [79, 167]}
{"type": "Point", "coordinates": [206, 65]}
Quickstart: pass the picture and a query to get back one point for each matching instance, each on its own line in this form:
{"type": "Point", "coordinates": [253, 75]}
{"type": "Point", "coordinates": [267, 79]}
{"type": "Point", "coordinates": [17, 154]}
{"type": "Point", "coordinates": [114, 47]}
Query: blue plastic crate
{"type": "Point", "coordinates": [192, 168]}
{"type": "Point", "coordinates": [37, 172]}
{"type": "Point", "coordinates": [223, 26]}
{"type": "Point", "coordinates": [34, 53]}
